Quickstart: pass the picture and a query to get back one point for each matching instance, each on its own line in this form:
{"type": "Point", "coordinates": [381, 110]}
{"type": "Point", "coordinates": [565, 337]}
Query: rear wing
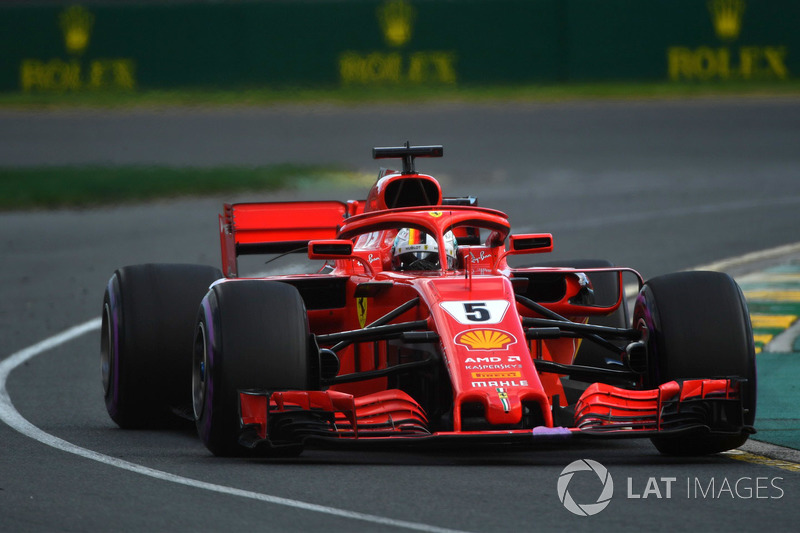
{"type": "Point", "coordinates": [277, 227]}
{"type": "Point", "coordinates": [281, 227]}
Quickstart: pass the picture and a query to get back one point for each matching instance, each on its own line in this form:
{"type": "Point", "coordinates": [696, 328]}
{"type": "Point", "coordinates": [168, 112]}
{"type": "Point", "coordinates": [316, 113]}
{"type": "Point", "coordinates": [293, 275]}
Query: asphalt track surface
{"type": "Point", "coordinates": [658, 186]}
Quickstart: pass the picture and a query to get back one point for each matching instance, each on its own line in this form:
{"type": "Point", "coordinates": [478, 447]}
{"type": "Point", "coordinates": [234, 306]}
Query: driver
{"type": "Point", "coordinates": [415, 249]}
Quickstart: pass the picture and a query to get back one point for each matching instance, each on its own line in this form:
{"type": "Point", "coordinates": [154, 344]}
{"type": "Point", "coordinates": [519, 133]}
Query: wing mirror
{"type": "Point", "coordinates": [530, 243]}
{"type": "Point", "coordinates": [330, 249]}
{"type": "Point", "coordinates": [336, 249]}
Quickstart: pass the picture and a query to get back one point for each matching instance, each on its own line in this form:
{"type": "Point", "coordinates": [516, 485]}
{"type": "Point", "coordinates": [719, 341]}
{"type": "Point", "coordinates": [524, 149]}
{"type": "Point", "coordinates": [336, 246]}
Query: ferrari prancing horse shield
{"type": "Point", "coordinates": [361, 308]}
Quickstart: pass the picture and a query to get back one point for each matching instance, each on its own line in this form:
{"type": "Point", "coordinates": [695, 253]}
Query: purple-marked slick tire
{"type": "Point", "coordinates": [250, 334]}
{"type": "Point", "coordinates": [697, 325]}
{"type": "Point", "coordinates": [148, 320]}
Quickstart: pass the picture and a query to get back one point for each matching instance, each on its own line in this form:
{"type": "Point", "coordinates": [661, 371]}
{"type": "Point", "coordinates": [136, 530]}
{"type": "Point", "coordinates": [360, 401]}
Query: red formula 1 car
{"type": "Point", "coordinates": [417, 330]}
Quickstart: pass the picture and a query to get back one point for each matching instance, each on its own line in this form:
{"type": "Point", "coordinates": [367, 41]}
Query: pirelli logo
{"type": "Point", "coordinates": [496, 375]}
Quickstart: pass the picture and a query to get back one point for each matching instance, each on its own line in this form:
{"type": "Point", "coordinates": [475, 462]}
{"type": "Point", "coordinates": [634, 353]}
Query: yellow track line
{"type": "Point", "coordinates": [773, 296]}
{"type": "Point", "coordinates": [772, 321]}
{"type": "Point", "coordinates": [773, 277]}
{"type": "Point", "coordinates": [752, 458]}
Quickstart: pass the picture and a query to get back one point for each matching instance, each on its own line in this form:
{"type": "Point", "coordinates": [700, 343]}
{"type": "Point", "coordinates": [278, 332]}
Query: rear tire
{"type": "Point", "coordinates": [149, 314]}
{"type": "Point", "coordinates": [697, 326]}
{"type": "Point", "coordinates": [250, 334]}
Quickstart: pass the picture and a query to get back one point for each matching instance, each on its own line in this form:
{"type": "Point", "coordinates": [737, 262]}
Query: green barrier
{"type": "Point", "coordinates": [680, 40]}
{"type": "Point", "coordinates": [326, 43]}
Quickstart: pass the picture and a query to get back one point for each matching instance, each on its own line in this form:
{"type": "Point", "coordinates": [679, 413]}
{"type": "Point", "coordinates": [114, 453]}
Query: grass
{"type": "Point", "coordinates": [387, 94]}
{"type": "Point", "coordinates": [53, 187]}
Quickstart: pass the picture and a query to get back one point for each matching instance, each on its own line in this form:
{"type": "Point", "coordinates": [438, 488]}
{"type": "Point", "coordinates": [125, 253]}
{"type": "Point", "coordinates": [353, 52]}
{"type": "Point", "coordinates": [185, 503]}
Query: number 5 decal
{"type": "Point", "coordinates": [477, 311]}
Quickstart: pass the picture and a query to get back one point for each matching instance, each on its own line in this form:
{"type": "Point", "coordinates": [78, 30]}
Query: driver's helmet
{"type": "Point", "coordinates": [415, 249]}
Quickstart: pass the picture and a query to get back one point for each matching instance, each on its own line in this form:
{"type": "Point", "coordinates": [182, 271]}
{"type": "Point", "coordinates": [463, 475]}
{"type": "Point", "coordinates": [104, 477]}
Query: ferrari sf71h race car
{"type": "Point", "coordinates": [417, 330]}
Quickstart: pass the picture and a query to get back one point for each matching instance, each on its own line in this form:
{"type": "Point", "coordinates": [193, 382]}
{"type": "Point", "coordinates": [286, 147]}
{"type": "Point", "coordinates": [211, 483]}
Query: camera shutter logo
{"type": "Point", "coordinates": [585, 509]}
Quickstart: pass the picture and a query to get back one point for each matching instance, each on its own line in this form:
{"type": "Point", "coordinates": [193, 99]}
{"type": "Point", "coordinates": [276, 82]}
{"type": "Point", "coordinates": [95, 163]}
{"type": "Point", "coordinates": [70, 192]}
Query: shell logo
{"type": "Point", "coordinates": [485, 339]}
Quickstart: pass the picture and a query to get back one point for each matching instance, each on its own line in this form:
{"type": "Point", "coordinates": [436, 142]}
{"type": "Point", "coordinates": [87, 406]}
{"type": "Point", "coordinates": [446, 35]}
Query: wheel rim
{"type": "Point", "coordinates": [106, 349]}
{"type": "Point", "coordinates": [199, 371]}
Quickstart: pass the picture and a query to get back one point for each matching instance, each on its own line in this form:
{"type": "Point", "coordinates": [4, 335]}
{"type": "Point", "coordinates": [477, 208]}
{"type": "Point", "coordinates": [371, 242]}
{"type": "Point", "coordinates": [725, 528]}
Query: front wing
{"type": "Point", "coordinates": [284, 418]}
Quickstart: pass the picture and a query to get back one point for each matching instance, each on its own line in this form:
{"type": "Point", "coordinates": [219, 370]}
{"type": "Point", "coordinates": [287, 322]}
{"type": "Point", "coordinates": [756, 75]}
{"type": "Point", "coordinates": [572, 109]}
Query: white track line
{"type": "Point", "coordinates": [735, 262]}
{"type": "Point", "coordinates": [13, 418]}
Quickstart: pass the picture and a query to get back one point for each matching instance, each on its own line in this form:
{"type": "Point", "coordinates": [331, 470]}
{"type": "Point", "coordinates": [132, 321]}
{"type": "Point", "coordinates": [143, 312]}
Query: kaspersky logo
{"type": "Point", "coordinates": [727, 18]}
{"type": "Point", "coordinates": [396, 18]}
{"type": "Point", "coordinates": [76, 24]}
{"type": "Point", "coordinates": [485, 339]}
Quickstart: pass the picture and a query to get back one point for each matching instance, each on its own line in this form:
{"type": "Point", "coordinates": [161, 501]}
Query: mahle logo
{"type": "Point", "coordinates": [396, 18]}
{"type": "Point", "coordinates": [585, 509]}
{"type": "Point", "coordinates": [76, 24]}
{"type": "Point", "coordinates": [727, 18]}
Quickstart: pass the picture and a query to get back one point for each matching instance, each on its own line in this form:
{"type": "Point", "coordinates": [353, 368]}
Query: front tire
{"type": "Point", "coordinates": [697, 326]}
{"type": "Point", "coordinates": [250, 334]}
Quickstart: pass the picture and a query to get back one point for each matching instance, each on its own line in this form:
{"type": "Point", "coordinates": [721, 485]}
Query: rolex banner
{"type": "Point", "coordinates": [327, 43]}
